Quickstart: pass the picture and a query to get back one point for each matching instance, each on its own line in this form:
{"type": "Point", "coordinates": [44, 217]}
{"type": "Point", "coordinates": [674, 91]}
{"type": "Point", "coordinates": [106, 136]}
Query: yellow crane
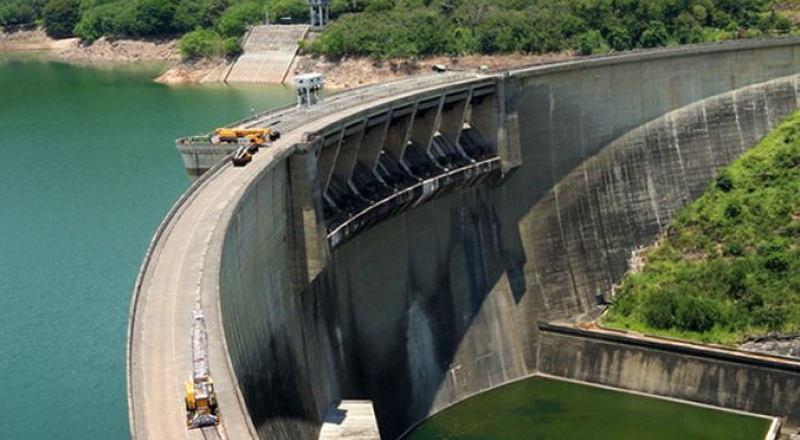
{"type": "Point", "coordinates": [254, 136]}
{"type": "Point", "coordinates": [249, 139]}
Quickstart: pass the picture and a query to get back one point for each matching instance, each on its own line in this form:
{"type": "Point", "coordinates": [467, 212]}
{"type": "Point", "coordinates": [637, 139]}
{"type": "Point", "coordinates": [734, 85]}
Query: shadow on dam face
{"type": "Point", "coordinates": [444, 300]}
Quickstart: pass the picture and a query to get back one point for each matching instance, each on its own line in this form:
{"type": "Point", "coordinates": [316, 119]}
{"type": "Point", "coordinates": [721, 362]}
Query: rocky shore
{"type": "Point", "coordinates": [102, 50]}
{"type": "Point", "coordinates": [339, 74]}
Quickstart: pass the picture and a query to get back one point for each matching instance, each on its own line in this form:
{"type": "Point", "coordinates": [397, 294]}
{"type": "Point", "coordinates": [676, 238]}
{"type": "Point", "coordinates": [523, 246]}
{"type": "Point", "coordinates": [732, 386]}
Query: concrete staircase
{"type": "Point", "coordinates": [269, 51]}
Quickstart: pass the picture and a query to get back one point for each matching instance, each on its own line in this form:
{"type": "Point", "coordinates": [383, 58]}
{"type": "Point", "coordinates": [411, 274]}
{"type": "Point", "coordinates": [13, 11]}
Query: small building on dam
{"type": "Point", "coordinates": [415, 243]}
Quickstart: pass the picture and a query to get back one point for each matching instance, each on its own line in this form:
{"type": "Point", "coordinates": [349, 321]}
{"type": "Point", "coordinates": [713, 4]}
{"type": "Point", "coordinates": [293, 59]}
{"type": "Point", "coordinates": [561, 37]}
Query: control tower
{"type": "Point", "coordinates": [309, 89]}
{"type": "Point", "coordinates": [320, 13]}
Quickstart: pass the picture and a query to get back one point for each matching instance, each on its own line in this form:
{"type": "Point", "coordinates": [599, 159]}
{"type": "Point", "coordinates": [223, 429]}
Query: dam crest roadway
{"type": "Point", "coordinates": [415, 243]}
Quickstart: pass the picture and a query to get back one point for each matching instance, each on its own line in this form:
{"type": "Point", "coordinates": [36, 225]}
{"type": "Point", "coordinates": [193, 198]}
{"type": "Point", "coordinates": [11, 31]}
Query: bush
{"type": "Point", "coordinates": [772, 318]}
{"type": "Point", "coordinates": [231, 47]}
{"type": "Point", "coordinates": [60, 17]}
{"type": "Point", "coordinates": [688, 31]}
{"type": "Point", "coordinates": [724, 180]}
{"type": "Point", "coordinates": [658, 309]}
{"type": "Point", "coordinates": [618, 38]}
{"type": "Point", "coordinates": [783, 25]}
{"type": "Point", "coordinates": [201, 43]}
{"type": "Point", "coordinates": [655, 35]}
{"type": "Point", "coordinates": [591, 42]}
{"type": "Point", "coordinates": [697, 315]}
{"type": "Point", "coordinates": [733, 210]}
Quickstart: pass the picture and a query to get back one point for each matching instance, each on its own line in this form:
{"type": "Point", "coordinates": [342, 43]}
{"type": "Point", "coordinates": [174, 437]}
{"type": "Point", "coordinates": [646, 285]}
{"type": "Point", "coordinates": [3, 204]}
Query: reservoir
{"type": "Point", "coordinates": [547, 409]}
{"type": "Point", "coordinates": [89, 170]}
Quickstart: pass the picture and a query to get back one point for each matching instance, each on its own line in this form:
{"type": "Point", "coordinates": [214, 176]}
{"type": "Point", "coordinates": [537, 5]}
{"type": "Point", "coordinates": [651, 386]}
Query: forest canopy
{"type": "Point", "coordinates": [415, 28]}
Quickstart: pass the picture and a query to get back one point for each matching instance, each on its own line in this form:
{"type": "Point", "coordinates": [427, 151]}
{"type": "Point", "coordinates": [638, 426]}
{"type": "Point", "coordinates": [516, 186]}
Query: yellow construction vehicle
{"type": "Point", "coordinates": [254, 136]}
{"type": "Point", "coordinates": [201, 403]}
{"type": "Point", "coordinates": [201, 399]}
{"type": "Point", "coordinates": [242, 156]}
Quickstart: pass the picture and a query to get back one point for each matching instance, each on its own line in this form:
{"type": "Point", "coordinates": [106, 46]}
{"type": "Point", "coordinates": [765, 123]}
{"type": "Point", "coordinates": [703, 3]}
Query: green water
{"type": "Point", "coordinates": [87, 171]}
{"type": "Point", "coordinates": [545, 409]}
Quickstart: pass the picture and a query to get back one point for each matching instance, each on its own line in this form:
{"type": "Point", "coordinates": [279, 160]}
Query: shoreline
{"type": "Point", "coordinates": [104, 51]}
{"type": "Point", "coordinates": [340, 74]}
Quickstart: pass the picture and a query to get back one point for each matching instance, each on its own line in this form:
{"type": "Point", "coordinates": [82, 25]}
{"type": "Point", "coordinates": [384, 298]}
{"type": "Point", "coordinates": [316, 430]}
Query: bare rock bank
{"type": "Point", "coordinates": [102, 50]}
{"type": "Point", "coordinates": [787, 345]}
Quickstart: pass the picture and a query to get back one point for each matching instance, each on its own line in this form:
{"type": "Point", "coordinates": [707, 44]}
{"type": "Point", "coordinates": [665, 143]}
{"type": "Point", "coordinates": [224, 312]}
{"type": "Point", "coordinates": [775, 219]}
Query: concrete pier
{"type": "Point", "coordinates": [350, 420]}
{"type": "Point", "coordinates": [403, 244]}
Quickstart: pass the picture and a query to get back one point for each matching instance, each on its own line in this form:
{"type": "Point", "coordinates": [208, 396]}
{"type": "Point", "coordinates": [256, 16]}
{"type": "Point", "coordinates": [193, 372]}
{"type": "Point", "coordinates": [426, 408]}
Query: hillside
{"type": "Point", "coordinates": [728, 265]}
{"type": "Point", "coordinates": [386, 29]}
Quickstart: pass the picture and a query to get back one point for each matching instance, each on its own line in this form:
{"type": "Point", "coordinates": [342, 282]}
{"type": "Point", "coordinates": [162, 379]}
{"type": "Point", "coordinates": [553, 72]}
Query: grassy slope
{"type": "Point", "coordinates": [727, 266]}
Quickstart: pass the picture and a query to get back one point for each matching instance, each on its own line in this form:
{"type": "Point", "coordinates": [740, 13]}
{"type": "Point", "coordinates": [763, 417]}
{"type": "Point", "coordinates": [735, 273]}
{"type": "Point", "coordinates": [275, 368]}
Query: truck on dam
{"type": "Point", "coordinates": [201, 399]}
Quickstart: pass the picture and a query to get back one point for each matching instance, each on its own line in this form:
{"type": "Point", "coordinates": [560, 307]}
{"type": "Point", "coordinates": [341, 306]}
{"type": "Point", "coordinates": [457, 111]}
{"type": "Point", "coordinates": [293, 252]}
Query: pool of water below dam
{"type": "Point", "coordinates": [547, 409]}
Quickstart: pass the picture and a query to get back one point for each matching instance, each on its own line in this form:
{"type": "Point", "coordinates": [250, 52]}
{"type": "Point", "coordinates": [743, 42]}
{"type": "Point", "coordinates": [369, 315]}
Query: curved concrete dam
{"type": "Point", "coordinates": [417, 243]}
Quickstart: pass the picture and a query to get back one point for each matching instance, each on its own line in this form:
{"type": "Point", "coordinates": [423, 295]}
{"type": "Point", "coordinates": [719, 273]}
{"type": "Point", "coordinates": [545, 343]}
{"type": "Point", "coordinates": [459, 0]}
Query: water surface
{"type": "Point", "coordinates": [87, 171]}
{"type": "Point", "coordinates": [546, 409]}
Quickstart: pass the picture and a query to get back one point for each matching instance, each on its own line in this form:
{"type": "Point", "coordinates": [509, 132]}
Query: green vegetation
{"type": "Point", "coordinates": [60, 17]}
{"type": "Point", "coordinates": [208, 25]}
{"type": "Point", "coordinates": [413, 28]}
{"type": "Point", "coordinates": [208, 44]}
{"type": "Point", "coordinates": [728, 265]}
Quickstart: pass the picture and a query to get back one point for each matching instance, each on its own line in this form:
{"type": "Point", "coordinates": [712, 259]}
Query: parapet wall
{"type": "Point", "coordinates": [442, 301]}
{"type": "Point", "coordinates": [682, 371]}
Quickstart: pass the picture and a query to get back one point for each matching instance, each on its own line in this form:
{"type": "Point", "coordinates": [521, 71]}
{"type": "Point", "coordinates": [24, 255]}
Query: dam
{"type": "Point", "coordinates": [417, 243]}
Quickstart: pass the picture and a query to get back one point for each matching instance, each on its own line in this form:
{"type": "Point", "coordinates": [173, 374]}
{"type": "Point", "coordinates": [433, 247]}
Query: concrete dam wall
{"type": "Point", "coordinates": [441, 298]}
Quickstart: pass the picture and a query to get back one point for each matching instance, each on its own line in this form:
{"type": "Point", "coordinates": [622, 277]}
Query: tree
{"type": "Point", "coordinates": [296, 10]}
{"type": "Point", "coordinates": [618, 38]}
{"type": "Point", "coordinates": [234, 20]}
{"type": "Point", "coordinates": [687, 30]}
{"type": "Point", "coordinates": [9, 15]}
{"type": "Point", "coordinates": [655, 35]}
{"type": "Point", "coordinates": [154, 17]}
{"type": "Point", "coordinates": [60, 17]}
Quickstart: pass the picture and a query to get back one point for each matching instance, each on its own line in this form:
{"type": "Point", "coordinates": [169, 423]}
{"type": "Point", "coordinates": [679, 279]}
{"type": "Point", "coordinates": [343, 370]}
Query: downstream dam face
{"type": "Point", "coordinates": [410, 252]}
